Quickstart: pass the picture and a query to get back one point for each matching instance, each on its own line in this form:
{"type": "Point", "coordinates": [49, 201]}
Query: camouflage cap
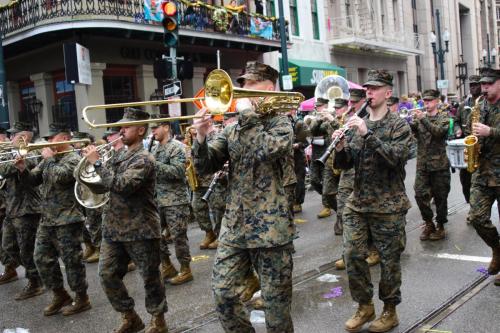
{"type": "Point", "coordinates": [320, 102]}
{"type": "Point", "coordinates": [489, 75]}
{"type": "Point", "coordinates": [431, 94]}
{"type": "Point", "coordinates": [20, 127]}
{"type": "Point", "coordinates": [80, 135]}
{"type": "Point", "coordinates": [131, 114]}
{"type": "Point", "coordinates": [56, 128]}
{"type": "Point", "coordinates": [355, 95]}
{"type": "Point", "coordinates": [379, 78]}
{"type": "Point", "coordinates": [340, 103]}
{"type": "Point", "coordinates": [157, 116]}
{"type": "Point", "coordinates": [257, 71]}
{"type": "Point", "coordinates": [392, 100]}
{"type": "Point", "coordinates": [474, 79]}
{"type": "Point", "coordinates": [111, 130]}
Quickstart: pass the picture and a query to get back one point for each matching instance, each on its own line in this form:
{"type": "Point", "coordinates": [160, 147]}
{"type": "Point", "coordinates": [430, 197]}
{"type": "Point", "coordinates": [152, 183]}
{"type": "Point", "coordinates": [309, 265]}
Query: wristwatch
{"type": "Point", "coordinates": [98, 164]}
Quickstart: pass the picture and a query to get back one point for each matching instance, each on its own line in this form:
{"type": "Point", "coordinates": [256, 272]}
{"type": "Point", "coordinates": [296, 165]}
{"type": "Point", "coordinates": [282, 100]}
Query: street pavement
{"type": "Point", "coordinates": [443, 289]}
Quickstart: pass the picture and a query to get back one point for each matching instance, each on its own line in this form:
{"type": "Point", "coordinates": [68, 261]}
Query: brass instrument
{"type": "Point", "coordinates": [472, 146]}
{"type": "Point", "coordinates": [405, 113]}
{"type": "Point", "coordinates": [24, 148]}
{"type": "Point", "coordinates": [219, 94]}
{"type": "Point", "coordinates": [191, 177]}
{"type": "Point", "coordinates": [89, 190]}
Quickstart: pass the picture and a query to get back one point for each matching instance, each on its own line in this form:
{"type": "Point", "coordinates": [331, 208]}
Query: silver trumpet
{"type": "Point", "coordinates": [405, 113]}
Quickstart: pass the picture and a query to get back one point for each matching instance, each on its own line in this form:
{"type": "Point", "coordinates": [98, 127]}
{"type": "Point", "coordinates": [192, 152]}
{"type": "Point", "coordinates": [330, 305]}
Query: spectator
{"type": "Point", "coordinates": [234, 10]}
{"type": "Point", "coordinates": [405, 103]}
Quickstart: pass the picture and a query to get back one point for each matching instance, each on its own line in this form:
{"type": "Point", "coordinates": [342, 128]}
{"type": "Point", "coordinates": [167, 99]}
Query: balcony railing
{"type": "Point", "coordinates": [20, 15]}
{"type": "Point", "coordinates": [363, 30]}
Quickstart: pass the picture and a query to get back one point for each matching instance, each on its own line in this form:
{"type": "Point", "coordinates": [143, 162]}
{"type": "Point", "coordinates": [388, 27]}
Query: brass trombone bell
{"type": "Point", "coordinates": [24, 149]}
{"type": "Point", "coordinates": [219, 94]}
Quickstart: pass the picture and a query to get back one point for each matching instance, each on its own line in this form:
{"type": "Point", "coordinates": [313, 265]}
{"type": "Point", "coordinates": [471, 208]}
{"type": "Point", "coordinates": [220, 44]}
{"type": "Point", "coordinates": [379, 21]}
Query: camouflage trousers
{"type": "Point", "coordinates": [5, 259]}
{"type": "Point", "coordinates": [18, 240]}
{"type": "Point", "coordinates": [300, 187]}
{"type": "Point", "coordinates": [175, 219]}
{"type": "Point", "coordinates": [316, 176]}
{"type": "Point", "coordinates": [482, 199]}
{"type": "Point", "coordinates": [290, 196]}
{"type": "Point", "coordinates": [62, 242]}
{"type": "Point", "coordinates": [201, 211]}
{"type": "Point", "coordinates": [217, 215]}
{"type": "Point", "coordinates": [432, 184]}
{"type": "Point", "coordinates": [218, 207]}
{"type": "Point", "coordinates": [342, 196]}
{"type": "Point", "coordinates": [274, 267]}
{"type": "Point", "coordinates": [92, 232]}
{"type": "Point", "coordinates": [465, 180]}
{"type": "Point", "coordinates": [330, 187]}
{"type": "Point", "coordinates": [389, 237]}
{"type": "Point", "coordinates": [113, 262]}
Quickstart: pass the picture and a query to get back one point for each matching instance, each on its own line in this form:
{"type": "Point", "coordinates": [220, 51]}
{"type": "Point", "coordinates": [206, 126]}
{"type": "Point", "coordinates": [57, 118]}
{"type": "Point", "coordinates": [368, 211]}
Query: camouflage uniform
{"type": "Point", "coordinates": [5, 259]}
{"type": "Point", "coordinates": [331, 177]}
{"type": "Point", "coordinates": [377, 205]}
{"type": "Point", "coordinates": [60, 230]}
{"type": "Point", "coordinates": [433, 166]}
{"type": "Point", "coordinates": [218, 200]}
{"type": "Point", "coordinates": [486, 180]}
{"type": "Point", "coordinates": [320, 130]}
{"type": "Point", "coordinates": [301, 132]}
{"type": "Point", "coordinates": [93, 224]}
{"type": "Point", "coordinates": [289, 178]}
{"type": "Point", "coordinates": [200, 208]}
{"type": "Point", "coordinates": [257, 229]}
{"type": "Point", "coordinates": [131, 229]}
{"type": "Point", "coordinates": [172, 198]}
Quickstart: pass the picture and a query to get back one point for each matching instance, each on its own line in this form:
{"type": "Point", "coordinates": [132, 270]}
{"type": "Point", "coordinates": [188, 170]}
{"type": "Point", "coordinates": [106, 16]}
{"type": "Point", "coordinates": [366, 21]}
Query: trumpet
{"type": "Point", "coordinates": [405, 113]}
{"type": "Point", "coordinates": [219, 95]}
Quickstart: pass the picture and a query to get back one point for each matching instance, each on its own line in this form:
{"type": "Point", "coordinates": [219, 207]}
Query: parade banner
{"type": "Point", "coordinates": [152, 10]}
{"type": "Point", "coordinates": [261, 28]}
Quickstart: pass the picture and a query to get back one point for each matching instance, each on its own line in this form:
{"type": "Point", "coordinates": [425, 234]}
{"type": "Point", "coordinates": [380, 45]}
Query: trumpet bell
{"type": "Point", "coordinates": [85, 174]}
{"type": "Point", "coordinates": [218, 91]}
{"type": "Point", "coordinates": [332, 87]}
{"type": "Point", "coordinates": [89, 199]}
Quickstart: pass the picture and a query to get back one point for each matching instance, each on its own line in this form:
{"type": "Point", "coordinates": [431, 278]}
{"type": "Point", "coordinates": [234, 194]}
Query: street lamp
{"type": "Point", "coordinates": [462, 73]}
{"type": "Point", "coordinates": [438, 49]}
{"type": "Point", "coordinates": [489, 56]}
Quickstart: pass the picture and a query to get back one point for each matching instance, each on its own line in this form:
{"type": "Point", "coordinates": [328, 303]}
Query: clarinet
{"type": "Point", "coordinates": [361, 113]}
{"type": "Point", "coordinates": [218, 175]}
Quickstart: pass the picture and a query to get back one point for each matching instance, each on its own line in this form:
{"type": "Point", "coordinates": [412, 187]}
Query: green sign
{"type": "Point", "coordinates": [309, 73]}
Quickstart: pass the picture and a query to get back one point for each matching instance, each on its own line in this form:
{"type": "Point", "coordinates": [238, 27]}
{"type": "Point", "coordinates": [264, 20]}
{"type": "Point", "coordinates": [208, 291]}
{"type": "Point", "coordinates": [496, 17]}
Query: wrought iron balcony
{"type": "Point", "coordinates": [361, 32]}
{"type": "Point", "coordinates": [23, 15]}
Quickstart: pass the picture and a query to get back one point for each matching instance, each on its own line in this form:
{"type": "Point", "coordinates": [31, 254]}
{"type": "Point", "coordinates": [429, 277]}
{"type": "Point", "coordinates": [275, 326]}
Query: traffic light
{"type": "Point", "coordinates": [170, 25]}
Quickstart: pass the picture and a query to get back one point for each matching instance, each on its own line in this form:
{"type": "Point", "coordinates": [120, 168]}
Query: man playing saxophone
{"type": "Point", "coordinates": [486, 179]}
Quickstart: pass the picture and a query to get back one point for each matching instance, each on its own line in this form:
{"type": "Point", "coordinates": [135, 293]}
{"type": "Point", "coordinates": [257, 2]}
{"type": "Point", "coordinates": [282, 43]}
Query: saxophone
{"type": "Point", "coordinates": [191, 177]}
{"type": "Point", "coordinates": [472, 147]}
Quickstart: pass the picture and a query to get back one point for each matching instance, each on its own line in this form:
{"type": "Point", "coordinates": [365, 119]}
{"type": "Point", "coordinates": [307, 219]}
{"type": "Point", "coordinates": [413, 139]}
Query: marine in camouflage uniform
{"type": "Point", "coordinates": [172, 198]}
{"type": "Point", "coordinates": [301, 132]}
{"type": "Point", "coordinates": [433, 167]}
{"type": "Point", "coordinates": [201, 210]}
{"type": "Point", "coordinates": [257, 229]}
{"type": "Point", "coordinates": [59, 234]}
{"type": "Point", "coordinates": [378, 151]}
{"type": "Point", "coordinates": [131, 227]}
{"type": "Point", "coordinates": [486, 180]}
{"type": "Point", "coordinates": [10, 265]}
{"type": "Point", "coordinates": [22, 203]}
{"type": "Point", "coordinates": [461, 130]}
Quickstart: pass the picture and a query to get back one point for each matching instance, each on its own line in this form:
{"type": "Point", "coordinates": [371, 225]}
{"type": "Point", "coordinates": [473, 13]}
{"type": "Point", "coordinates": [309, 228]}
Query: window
{"type": "Point", "coordinates": [64, 108]}
{"type": "Point", "coordinates": [270, 8]}
{"type": "Point", "coordinates": [294, 18]}
{"type": "Point", "coordinates": [315, 20]}
{"type": "Point", "coordinates": [119, 87]}
{"type": "Point", "coordinates": [414, 4]}
{"type": "Point", "coordinates": [383, 16]}
{"type": "Point", "coordinates": [348, 13]}
{"type": "Point", "coordinates": [498, 13]}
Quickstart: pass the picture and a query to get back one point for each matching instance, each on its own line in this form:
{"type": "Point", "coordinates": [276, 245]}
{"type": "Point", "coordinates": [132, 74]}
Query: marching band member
{"type": "Point", "coordinates": [59, 234]}
{"type": "Point", "coordinates": [257, 228]}
{"type": "Point", "coordinates": [378, 204]}
{"type": "Point", "coordinates": [131, 227]}
{"type": "Point", "coordinates": [433, 167]}
{"type": "Point", "coordinates": [485, 188]}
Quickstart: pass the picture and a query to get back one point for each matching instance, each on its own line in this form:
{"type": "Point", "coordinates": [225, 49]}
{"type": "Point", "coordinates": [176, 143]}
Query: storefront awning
{"type": "Point", "coordinates": [309, 73]}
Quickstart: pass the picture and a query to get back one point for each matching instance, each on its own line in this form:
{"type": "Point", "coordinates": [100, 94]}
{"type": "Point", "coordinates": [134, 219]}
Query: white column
{"type": "Point", "coordinates": [44, 92]}
{"type": "Point", "coordinates": [146, 85]}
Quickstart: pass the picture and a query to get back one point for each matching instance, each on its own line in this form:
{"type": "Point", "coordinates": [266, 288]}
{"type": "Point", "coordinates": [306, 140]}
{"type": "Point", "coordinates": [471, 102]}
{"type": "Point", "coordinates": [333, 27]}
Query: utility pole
{"type": "Point", "coordinates": [284, 52]}
{"type": "Point", "coordinates": [4, 109]}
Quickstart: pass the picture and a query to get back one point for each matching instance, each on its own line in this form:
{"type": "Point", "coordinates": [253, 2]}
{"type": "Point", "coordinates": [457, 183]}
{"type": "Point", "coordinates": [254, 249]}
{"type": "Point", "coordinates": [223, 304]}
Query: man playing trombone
{"type": "Point", "coordinates": [131, 227]}
{"type": "Point", "coordinates": [257, 229]}
{"type": "Point", "coordinates": [22, 215]}
{"type": "Point", "coordinates": [60, 232]}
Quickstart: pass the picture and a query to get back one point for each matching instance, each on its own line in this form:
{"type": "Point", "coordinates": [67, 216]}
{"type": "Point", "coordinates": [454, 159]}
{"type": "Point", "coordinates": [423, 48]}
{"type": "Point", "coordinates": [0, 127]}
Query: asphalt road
{"type": "Point", "coordinates": [442, 288]}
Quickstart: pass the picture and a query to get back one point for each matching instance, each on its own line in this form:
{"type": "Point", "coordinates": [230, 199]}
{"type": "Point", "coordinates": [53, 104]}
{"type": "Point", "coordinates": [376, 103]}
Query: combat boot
{"type": "Point", "coordinates": [8, 275]}
{"type": "Point", "coordinates": [214, 245]}
{"type": "Point", "coordinates": [32, 289]}
{"type": "Point", "coordinates": [373, 258]}
{"type": "Point", "coordinates": [340, 264]}
{"type": "Point", "coordinates": [325, 212]}
{"type": "Point", "coordinates": [497, 280]}
{"type": "Point", "coordinates": [89, 250]}
{"type": "Point", "coordinates": [210, 236]}
{"type": "Point", "coordinates": [364, 314]}
{"type": "Point", "coordinates": [337, 228]}
{"type": "Point", "coordinates": [81, 303]}
{"type": "Point", "coordinates": [184, 276]}
{"type": "Point", "coordinates": [387, 320]}
{"type": "Point", "coordinates": [252, 285]}
{"type": "Point", "coordinates": [429, 228]}
{"type": "Point", "coordinates": [94, 257]}
{"type": "Point", "coordinates": [439, 233]}
{"type": "Point", "coordinates": [157, 324]}
{"type": "Point", "coordinates": [167, 269]}
{"type": "Point", "coordinates": [61, 298]}
{"type": "Point", "coordinates": [258, 304]}
{"type": "Point", "coordinates": [131, 323]}
{"type": "Point", "coordinates": [131, 267]}
{"type": "Point", "coordinates": [297, 208]}
{"type": "Point", "coordinates": [494, 267]}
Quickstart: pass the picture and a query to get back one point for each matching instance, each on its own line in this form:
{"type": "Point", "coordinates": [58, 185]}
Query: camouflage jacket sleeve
{"type": "Point", "coordinates": [273, 139]}
{"type": "Point", "coordinates": [301, 132]}
{"type": "Point", "coordinates": [171, 164]}
{"type": "Point", "coordinates": [209, 158]}
{"type": "Point", "coordinates": [9, 169]}
{"type": "Point", "coordinates": [128, 182]}
{"type": "Point", "coordinates": [437, 129]}
{"type": "Point", "coordinates": [319, 127]}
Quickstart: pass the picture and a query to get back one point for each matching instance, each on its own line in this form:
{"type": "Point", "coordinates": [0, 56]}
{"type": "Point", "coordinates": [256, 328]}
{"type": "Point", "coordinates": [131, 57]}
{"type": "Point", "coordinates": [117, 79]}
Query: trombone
{"type": "Point", "coordinates": [219, 94]}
